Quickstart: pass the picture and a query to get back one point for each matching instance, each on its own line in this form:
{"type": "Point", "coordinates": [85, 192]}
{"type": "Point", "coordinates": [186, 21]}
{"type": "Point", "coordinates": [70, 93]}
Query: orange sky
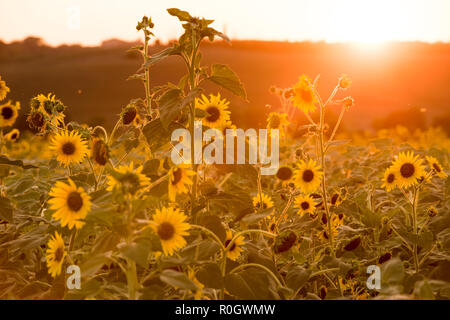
{"type": "Point", "coordinates": [91, 21]}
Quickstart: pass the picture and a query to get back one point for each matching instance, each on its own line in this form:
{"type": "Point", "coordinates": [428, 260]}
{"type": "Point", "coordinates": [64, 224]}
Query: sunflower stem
{"type": "Point", "coordinates": [257, 265]}
{"type": "Point", "coordinates": [414, 219]}
{"type": "Point", "coordinates": [322, 158]}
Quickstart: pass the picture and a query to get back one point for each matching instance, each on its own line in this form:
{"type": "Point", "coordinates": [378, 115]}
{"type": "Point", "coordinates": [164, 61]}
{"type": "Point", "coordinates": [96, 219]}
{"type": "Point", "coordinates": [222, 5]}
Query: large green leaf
{"type": "Point", "coordinates": [251, 284]}
{"type": "Point", "coordinates": [210, 275]}
{"type": "Point", "coordinates": [177, 280]}
{"type": "Point", "coordinates": [180, 14]}
{"type": "Point", "coordinates": [172, 51]}
{"type": "Point", "coordinates": [297, 277]}
{"type": "Point", "coordinates": [172, 102]}
{"type": "Point", "coordinates": [226, 78]}
{"type": "Point", "coordinates": [156, 135]}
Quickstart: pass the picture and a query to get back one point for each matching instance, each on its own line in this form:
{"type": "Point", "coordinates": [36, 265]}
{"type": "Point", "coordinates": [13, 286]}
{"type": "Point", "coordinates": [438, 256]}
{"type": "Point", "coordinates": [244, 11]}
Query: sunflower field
{"type": "Point", "coordinates": [114, 209]}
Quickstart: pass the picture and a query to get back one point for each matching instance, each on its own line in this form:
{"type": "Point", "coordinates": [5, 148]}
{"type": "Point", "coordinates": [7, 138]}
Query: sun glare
{"type": "Point", "coordinates": [365, 22]}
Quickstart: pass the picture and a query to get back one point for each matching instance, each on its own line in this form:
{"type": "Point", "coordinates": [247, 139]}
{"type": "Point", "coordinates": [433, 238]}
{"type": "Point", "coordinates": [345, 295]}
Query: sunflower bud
{"type": "Point", "coordinates": [344, 82]}
{"type": "Point", "coordinates": [348, 102]}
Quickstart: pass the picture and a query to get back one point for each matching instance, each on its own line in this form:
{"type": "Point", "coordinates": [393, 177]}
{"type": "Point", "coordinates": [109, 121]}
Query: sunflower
{"type": "Point", "coordinates": [170, 226]}
{"type": "Point", "coordinates": [69, 146]}
{"type": "Point", "coordinates": [3, 89]}
{"type": "Point", "coordinates": [36, 120]}
{"type": "Point", "coordinates": [234, 251]}
{"type": "Point", "coordinates": [51, 107]}
{"type": "Point", "coordinates": [278, 121]}
{"type": "Point", "coordinates": [389, 179]}
{"type": "Point", "coordinates": [99, 152]}
{"type": "Point", "coordinates": [137, 121]}
{"type": "Point", "coordinates": [127, 179]}
{"type": "Point", "coordinates": [436, 167]}
{"type": "Point", "coordinates": [217, 113]}
{"type": "Point", "coordinates": [13, 135]}
{"type": "Point", "coordinates": [304, 96]}
{"type": "Point", "coordinates": [71, 204]}
{"type": "Point", "coordinates": [305, 204]}
{"type": "Point", "coordinates": [179, 177]}
{"type": "Point", "coordinates": [267, 202]}
{"type": "Point", "coordinates": [307, 177]}
{"type": "Point", "coordinates": [8, 113]}
{"type": "Point", "coordinates": [55, 255]}
{"type": "Point", "coordinates": [285, 174]}
{"type": "Point", "coordinates": [408, 168]}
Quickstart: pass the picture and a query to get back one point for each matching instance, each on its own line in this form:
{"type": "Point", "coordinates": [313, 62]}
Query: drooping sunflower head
{"type": "Point", "coordinates": [308, 176]}
{"type": "Point", "coordinates": [278, 121]}
{"type": "Point", "coordinates": [234, 249]}
{"type": "Point", "coordinates": [408, 168]}
{"type": "Point", "coordinates": [170, 225]}
{"type": "Point", "coordinates": [128, 180]}
{"type": "Point", "coordinates": [55, 255]}
{"type": "Point", "coordinates": [13, 135]}
{"type": "Point", "coordinates": [436, 167]}
{"type": "Point", "coordinates": [8, 113]}
{"type": "Point", "coordinates": [36, 120]}
{"type": "Point", "coordinates": [262, 202]}
{"type": "Point", "coordinates": [3, 89]}
{"type": "Point", "coordinates": [305, 204]}
{"type": "Point", "coordinates": [216, 111]}
{"type": "Point", "coordinates": [70, 147]}
{"type": "Point", "coordinates": [304, 96]}
{"type": "Point", "coordinates": [99, 152]}
{"type": "Point", "coordinates": [179, 179]}
{"type": "Point", "coordinates": [389, 179]}
{"type": "Point", "coordinates": [128, 114]}
{"type": "Point", "coordinates": [71, 204]}
{"type": "Point", "coordinates": [337, 197]}
{"type": "Point", "coordinates": [285, 174]}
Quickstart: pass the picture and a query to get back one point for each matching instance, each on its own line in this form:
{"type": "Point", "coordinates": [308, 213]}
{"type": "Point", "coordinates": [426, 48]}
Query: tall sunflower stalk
{"type": "Point", "coordinates": [305, 97]}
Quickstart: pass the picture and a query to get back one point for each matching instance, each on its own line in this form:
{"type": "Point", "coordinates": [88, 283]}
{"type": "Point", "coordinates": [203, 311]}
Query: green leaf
{"type": "Point", "coordinates": [392, 272]}
{"type": "Point", "coordinates": [177, 280]}
{"type": "Point", "coordinates": [6, 209]}
{"type": "Point", "coordinates": [136, 251]}
{"type": "Point", "coordinates": [172, 102]}
{"type": "Point", "coordinates": [172, 51]}
{"type": "Point", "coordinates": [251, 284]}
{"type": "Point", "coordinates": [297, 277]}
{"type": "Point", "coordinates": [214, 223]}
{"type": "Point", "coordinates": [17, 163]}
{"type": "Point", "coordinates": [156, 135]}
{"type": "Point", "coordinates": [210, 275]}
{"type": "Point", "coordinates": [180, 14]}
{"type": "Point", "coordinates": [92, 264]}
{"type": "Point", "coordinates": [227, 79]}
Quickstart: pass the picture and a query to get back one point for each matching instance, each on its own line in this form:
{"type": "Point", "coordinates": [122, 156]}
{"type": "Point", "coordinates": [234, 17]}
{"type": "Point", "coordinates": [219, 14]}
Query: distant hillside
{"type": "Point", "coordinates": [92, 80]}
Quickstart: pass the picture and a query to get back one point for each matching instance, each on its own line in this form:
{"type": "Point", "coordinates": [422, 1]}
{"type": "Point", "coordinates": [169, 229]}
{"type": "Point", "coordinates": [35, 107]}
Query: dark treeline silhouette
{"type": "Point", "coordinates": [398, 83]}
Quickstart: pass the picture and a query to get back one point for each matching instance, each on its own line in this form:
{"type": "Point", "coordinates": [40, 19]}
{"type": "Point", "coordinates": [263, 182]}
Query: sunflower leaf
{"type": "Point", "coordinates": [227, 79]}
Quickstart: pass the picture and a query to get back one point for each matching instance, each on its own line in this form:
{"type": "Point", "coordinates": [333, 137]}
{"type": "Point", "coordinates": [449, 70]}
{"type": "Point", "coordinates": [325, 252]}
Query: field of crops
{"type": "Point", "coordinates": [91, 214]}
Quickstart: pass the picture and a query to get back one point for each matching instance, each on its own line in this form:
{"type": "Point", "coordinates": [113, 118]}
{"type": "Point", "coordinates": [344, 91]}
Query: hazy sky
{"type": "Point", "coordinates": [91, 21]}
